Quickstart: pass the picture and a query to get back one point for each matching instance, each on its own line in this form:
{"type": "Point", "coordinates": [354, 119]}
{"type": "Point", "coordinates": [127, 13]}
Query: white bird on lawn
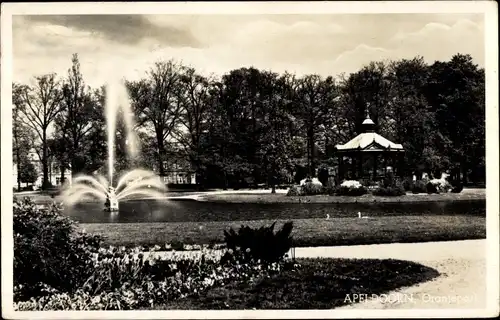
{"type": "Point", "coordinates": [360, 216]}
{"type": "Point", "coordinates": [327, 216]}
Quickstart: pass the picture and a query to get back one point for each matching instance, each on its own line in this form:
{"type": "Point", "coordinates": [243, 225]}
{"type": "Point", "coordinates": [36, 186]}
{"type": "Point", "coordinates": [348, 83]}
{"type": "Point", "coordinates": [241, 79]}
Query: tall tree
{"type": "Point", "coordinates": [275, 144]}
{"type": "Point", "coordinates": [369, 89]}
{"type": "Point", "coordinates": [196, 99]}
{"type": "Point", "coordinates": [456, 93]}
{"type": "Point", "coordinates": [410, 116]}
{"type": "Point", "coordinates": [77, 120]}
{"type": "Point", "coordinates": [22, 137]}
{"type": "Point", "coordinates": [155, 99]}
{"type": "Point", "coordinates": [40, 105]}
{"type": "Point", "coordinates": [316, 99]}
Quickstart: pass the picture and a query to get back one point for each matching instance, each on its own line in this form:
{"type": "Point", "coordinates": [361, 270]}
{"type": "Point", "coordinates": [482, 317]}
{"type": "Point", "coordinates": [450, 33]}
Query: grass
{"type": "Point", "coordinates": [316, 284]}
{"type": "Point", "coordinates": [306, 232]}
{"type": "Point", "coordinates": [467, 194]}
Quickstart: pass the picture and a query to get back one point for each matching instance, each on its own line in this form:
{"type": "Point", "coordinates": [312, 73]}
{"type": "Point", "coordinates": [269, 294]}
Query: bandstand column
{"type": "Point", "coordinates": [360, 166]}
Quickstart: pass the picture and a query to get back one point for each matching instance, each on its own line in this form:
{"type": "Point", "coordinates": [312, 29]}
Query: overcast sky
{"type": "Point", "coordinates": [127, 45]}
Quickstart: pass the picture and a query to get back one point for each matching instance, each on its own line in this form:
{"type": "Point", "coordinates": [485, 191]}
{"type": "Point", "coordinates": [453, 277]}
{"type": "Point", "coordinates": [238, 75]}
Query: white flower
{"type": "Point", "coordinates": [351, 184]}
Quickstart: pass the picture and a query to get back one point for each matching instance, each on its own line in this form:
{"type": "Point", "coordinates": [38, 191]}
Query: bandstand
{"type": "Point", "coordinates": [369, 156]}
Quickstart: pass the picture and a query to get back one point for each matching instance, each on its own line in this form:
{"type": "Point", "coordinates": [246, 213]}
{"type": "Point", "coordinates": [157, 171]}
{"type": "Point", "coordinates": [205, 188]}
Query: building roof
{"type": "Point", "coordinates": [369, 141]}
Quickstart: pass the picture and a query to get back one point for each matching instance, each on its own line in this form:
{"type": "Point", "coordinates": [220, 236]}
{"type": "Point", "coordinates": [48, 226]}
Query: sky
{"type": "Point", "coordinates": [128, 45]}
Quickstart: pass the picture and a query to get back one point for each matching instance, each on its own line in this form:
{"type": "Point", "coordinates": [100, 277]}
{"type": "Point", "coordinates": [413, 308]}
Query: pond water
{"type": "Point", "coordinates": [197, 211]}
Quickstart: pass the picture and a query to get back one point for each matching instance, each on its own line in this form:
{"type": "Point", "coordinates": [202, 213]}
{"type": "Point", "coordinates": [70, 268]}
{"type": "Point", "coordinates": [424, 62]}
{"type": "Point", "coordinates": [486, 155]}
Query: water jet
{"type": "Point", "coordinates": [133, 183]}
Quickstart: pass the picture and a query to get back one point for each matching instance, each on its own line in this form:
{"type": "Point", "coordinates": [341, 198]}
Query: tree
{"type": "Point", "coordinates": [456, 93]}
{"type": "Point", "coordinates": [410, 118]}
{"type": "Point", "coordinates": [22, 139]}
{"type": "Point", "coordinates": [275, 143]}
{"type": "Point", "coordinates": [316, 99]}
{"type": "Point", "coordinates": [196, 99]}
{"type": "Point", "coordinates": [76, 121]}
{"type": "Point", "coordinates": [367, 90]}
{"type": "Point", "coordinates": [40, 105]}
{"type": "Point", "coordinates": [155, 101]}
{"type": "Point", "coordinates": [27, 172]}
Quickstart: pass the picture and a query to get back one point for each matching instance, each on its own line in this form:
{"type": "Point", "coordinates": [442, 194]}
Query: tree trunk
{"type": "Point", "coordinates": [45, 165]}
{"type": "Point", "coordinates": [273, 180]}
{"type": "Point", "coordinates": [225, 180]}
{"type": "Point", "coordinates": [310, 136]}
{"type": "Point", "coordinates": [464, 174]}
{"type": "Point", "coordinates": [63, 174]}
{"type": "Point", "coordinates": [18, 170]}
{"type": "Point", "coordinates": [161, 153]}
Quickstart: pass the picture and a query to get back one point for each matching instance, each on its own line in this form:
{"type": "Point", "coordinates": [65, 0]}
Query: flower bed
{"type": "Point", "coordinates": [74, 273]}
{"type": "Point", "coordinates": [128, 280]}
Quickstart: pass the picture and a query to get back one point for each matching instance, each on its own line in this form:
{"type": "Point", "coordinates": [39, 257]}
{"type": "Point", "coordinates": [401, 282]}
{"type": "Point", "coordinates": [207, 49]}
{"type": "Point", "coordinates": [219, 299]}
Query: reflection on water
{"type": "Point", "coordinates": [194, 211]}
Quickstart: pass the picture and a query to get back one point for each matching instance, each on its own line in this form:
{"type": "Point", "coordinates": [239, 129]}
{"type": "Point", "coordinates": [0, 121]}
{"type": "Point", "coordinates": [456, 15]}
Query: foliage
{"type": "Point", "coordinates": [329, 188]}
{"type": "Point", "coordinates": [419, 186]}
{"type": "Point", "coordinates": [251, 126]}
{"type": "Point", "coordinates": [129, 279]}
{"type": "Point", "coordinates": [58, 268]}
{"type": "Point", "coordinates": [390, 191]}
{"type": "Point", "coordinates": [39, 105]}
{"type": "Point", "coordinates": [80, 120]}
{"type": "Point", "coordinates": [431, 188]}
{"type": "Point", "coordinates": [350, 188]}
{"type": "Point", "coordinates": [391, 187]}
{"type": "Point", "coordinates": [259, 244]}
{"type": "Point", "coordinates": [293, 191]}
{"type": "Point", "coordinates": [457, 188]}
{"type": "Point", "coordinates": [27, 172]}
{"type": "Point", "coordinates": [311, 189]}
{"type": "Point", "coordinates": [316, 284]}
{"type": "Point", "coordinates": [48, 249]}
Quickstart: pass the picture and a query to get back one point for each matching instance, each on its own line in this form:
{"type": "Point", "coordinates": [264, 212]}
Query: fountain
{"type": "Point", "coordinates": [133, 183]}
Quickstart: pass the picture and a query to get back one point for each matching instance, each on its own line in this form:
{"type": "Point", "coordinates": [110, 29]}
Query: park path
{"type": "Point", "coordinates": [462, 265]}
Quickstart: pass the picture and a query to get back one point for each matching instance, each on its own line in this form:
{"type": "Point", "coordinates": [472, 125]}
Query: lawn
{"type": "Point", "coordinates": [306, 232]}
{"type": "Point", "coordinates": [316, 284]}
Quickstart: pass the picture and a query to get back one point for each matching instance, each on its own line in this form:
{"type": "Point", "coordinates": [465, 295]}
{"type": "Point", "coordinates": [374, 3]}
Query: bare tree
{"type": "Point", "coordinates": [39, 106]}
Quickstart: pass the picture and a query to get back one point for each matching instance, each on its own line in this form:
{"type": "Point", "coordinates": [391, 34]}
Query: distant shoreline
{"type": "Point", "coordinates": [265, 196]}
{"type": "Point", "coordinates": [466, 195]}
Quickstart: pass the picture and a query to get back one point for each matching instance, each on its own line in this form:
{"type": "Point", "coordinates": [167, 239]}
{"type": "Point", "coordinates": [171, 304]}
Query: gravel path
{"type": "Point", "coordinates": [462, 265]}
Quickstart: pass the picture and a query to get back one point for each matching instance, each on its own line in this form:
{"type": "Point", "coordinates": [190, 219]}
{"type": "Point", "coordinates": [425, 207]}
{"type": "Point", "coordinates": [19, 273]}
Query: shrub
{"type": "Point", "coordinates": [311, 189]}
{"type": "Point", "coordinates": [177, 245]}
{"type": "Point", "coordinates": [293, 191]}
{"type": "Point", "coordinates": [48, 250]}
{"type": "Point", "coordinates": [389, 180]}
{"type": "Point", "coordinates": [391, 187]}
{"type": "Point", "coordinates": [419, 186]}
{"type": "Point", "coordinates": [350, 188]}
{"type": "Point", "coordinates": [431, 188]}
{"type": "Point", "coordinates": [391, 191]}
{"type": "Point", "coordinates": [457, 187]}
{"type": "Point", "coordinates": [260, 244]}
{"type": "Point", "coordinates": [329, 188]}
{"type": "Point", "coordinates": [408, 184]}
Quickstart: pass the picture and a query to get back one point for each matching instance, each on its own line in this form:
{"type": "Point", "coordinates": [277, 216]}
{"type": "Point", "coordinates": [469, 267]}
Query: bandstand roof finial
{"type": "Point", "coordinates": [368, 123]}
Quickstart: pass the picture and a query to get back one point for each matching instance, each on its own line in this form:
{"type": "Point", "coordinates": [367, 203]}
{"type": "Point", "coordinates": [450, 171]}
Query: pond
{"type": "Point", "coordinates": [137, 211]}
